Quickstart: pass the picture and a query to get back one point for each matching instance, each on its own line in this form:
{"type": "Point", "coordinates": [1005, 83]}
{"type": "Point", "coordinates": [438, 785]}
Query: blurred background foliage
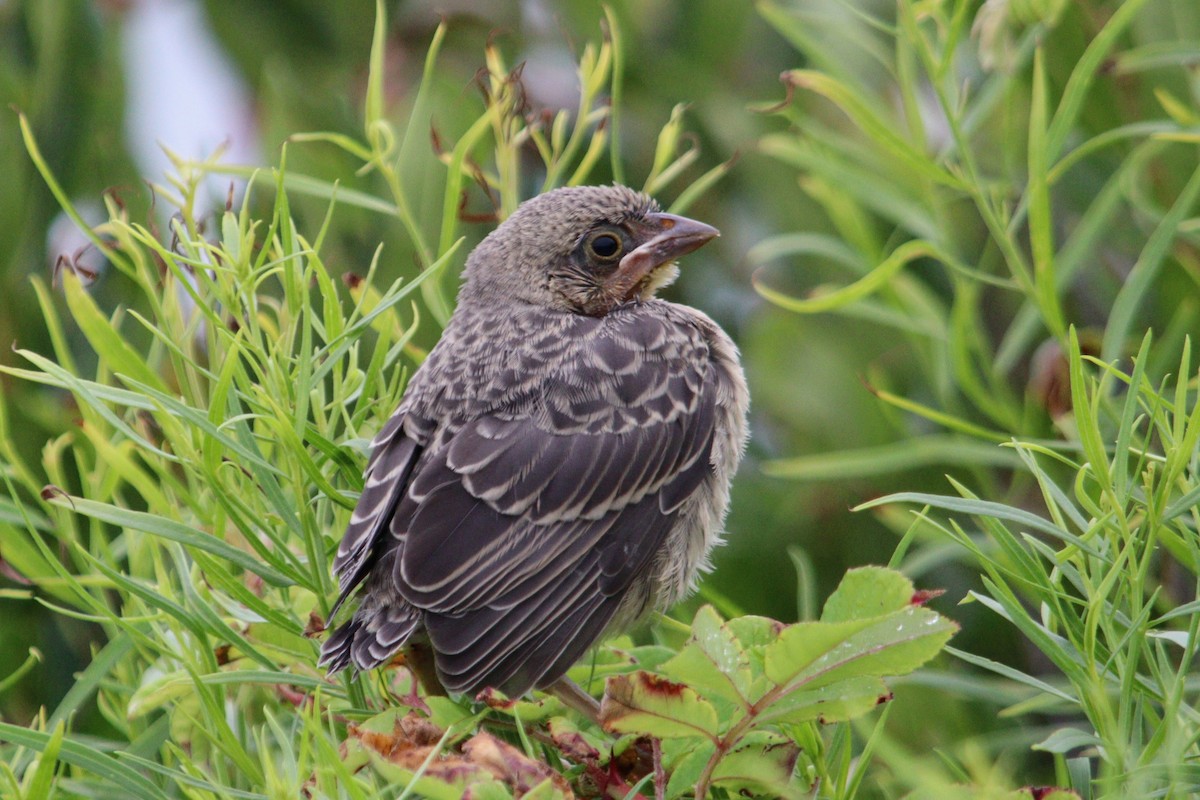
{"type": "Point", "coordinates": [981, 174]}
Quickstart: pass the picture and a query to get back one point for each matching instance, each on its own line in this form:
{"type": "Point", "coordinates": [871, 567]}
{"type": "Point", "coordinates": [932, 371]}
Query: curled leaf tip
{"type": "Point", "coordinates": [315, 626]}
{"type": "Point", "coordinates": [51, 492]}
{"type": "Point", "coordinates": [789, 96]}
{"type": "Point", "coordinates": [922, 596]}
{"type": "Point", "coordinates": [494, 699]}
{"type": "Point", "coordinates": [868, 385]}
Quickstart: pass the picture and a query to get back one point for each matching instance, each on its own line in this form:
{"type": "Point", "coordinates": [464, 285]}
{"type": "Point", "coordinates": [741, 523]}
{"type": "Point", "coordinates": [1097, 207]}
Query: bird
{"type": "Point", "coordinates": [558, 467]}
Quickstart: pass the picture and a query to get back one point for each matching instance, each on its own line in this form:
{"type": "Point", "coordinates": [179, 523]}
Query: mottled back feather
{"type": "Point", "coordinates": [522, 496]}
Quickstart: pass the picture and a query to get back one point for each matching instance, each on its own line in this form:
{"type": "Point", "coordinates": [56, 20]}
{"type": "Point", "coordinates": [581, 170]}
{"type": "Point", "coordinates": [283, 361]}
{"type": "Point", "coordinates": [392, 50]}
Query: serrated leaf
{"type": "Point", "coordinates": [752, 631]}
{"type": "Point", "coordinates": [692, 667]}
{"type": "Point", "coordinates": [868, 592]}
{"type": "Point", "coordinates": [764, 763]}
{"type": "Point", "coordinates": [646, 704]}
{"type": "Point", "coordinates": [755, 634]}
{"type": "Point", "coordinates": [444, 712]}
{"type": "Point", "coordinates": [894, 644]}
{"type": "Point", "coordinates": [836, 702]}
{"type": "Point", "coordinates": [713, 660]}
{"type": "Point", "coordinates": [799, 646]}
{"type": "Point", "coordinates": [718, 643]}
{"type": "Point", "coordinates": [688, 769]}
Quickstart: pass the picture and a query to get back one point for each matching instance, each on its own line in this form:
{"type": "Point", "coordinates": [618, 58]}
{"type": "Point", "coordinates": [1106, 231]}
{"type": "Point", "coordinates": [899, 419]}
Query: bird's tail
{"type": "Point", "coordinates": [371, 637]}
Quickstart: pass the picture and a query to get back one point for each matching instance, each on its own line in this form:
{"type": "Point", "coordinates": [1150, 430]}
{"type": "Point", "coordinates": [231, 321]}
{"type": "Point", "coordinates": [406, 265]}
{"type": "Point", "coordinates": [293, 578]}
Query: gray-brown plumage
{"type": "Point", "coordinates": [559, 465]}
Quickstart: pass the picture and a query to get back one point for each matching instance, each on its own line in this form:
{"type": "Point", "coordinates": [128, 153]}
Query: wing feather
{"type": "Point", "coordinates": [387, 475]}
{"type": "Point", "coordinates": [515, 539]}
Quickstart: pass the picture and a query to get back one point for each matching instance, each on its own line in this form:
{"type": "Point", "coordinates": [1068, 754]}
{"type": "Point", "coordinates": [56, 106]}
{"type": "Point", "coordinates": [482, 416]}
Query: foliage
{"type": "Point", "coordinates": [1021, 168]}
{"type": "Point", "coordinates": [748, 690]}
{"type": "Point", "coordinates": [978, 209]}
{"type": "Point", "coordinates": [1105, 588]}
{"type": "Point", "coordinates": [192, 511]}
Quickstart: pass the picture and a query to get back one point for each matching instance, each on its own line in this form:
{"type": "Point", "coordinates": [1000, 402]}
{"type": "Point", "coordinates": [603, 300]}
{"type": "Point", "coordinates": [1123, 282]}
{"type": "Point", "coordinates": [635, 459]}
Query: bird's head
{"type": "Point", "coordinates": [582, 249]}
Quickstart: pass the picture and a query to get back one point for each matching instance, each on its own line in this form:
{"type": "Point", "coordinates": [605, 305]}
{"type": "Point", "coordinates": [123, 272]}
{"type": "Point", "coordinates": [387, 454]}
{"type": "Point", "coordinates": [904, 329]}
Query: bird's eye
{"type": "Point", "coordinates": [605, 246]}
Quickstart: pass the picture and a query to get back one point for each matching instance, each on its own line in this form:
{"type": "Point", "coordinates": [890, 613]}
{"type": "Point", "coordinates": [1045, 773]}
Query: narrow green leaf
{"type": "Point", "coordinates": [1086, 69]}
{"type": "Point", "coordinates": [881, 132]}
{"type": "Point", "coordinates": [1145, 272]}
{"type": "Point", "coordinates": [173, 531]}
{"type": "Point", "coordinates": [981, 508]}
{"type": "Point", "coordinates": [114, 352]}
{"type": "Point", "coordinates": [830, 299]}
{"type": "Point", "coordinates": [42, 781]}
{"type": "Point", "coordinates": [896, 457]}
{"type": "Point", "coordinates": [1041, 227]}
{"type": "Point", "coordinates": [129, 780]}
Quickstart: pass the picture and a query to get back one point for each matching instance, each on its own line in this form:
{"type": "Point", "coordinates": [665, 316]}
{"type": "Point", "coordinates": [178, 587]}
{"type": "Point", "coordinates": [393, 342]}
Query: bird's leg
{"type": "Point", "coordinates": [569, 692]}
{"type": "Point", "coordinates": [418, 657]}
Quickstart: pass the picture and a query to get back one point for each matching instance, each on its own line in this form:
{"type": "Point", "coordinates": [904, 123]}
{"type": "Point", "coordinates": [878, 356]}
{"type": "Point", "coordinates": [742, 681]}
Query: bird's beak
{"type": "Point", "coordinates": [670, 236]}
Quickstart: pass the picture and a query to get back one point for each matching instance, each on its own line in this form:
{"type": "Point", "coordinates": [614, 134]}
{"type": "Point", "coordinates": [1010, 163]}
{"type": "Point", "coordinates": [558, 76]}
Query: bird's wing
{"type": "Point", "coordinates": [522, 535]}
{"type": "Point", "coordinates": [393, 455]}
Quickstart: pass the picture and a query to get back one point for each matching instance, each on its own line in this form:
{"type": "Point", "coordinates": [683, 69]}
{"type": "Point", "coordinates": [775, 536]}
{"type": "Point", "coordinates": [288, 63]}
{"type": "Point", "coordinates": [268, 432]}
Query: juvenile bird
{"type": "Point", "coordinates": [560, 463]}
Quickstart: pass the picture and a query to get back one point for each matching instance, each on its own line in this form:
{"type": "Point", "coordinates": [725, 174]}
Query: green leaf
{"type": "Point", "coordinates": [801, 645]}
{"type": "Point", "coordinates": [688, 769]}
{"type": "Point", "coordinates": [763, 763]}
{"type": "Point", "coordinates": [490, 790]}
{"type": "Point", "coordinates": [99, 670]}
{"type": "Point", "coordinates": [171, 530]}
{"type": "Point", "coordinates": [1064, 740]}
{"type": "Point", "coordinates": [646, 704]}
{"type": "Point", "coordinates": [755, 632]}
{"type": "Point", "coordinates": [882, 132]}
{"type": "Point", "coordinates": [41, 783]}
{"type": "Point", "coordinates": [900, 457]}
{"type": "Point", "coordinates": [445, 713]}
{"type": "Point", "coordinates": [115, 353]}
{"type": "Point", "coordinates": [712, 660]}
{"type": "Point", "coordinates": [131, 782]}
{"type": "Point", "coordinates": [983, 508]}
{"type": "Point", "coordinates": [831, 299]}
{"type": "Point", "coordinates": [836, 702]}
{"type": "Point", "coordinates": [868, 592]}
{"type": "Point", "coordinates": [1141, 280]}
{"type": "Point", "coordinates": [158, 690]}
{"type": "Point", "coordinates": [869, 629]}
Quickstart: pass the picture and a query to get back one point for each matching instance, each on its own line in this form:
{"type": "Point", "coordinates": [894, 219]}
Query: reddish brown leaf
{"type": "Point", "coordinates": [512, 766]}
{"type": "Point", "coordinates": [922, 596]}
{"type": "Point", "coordinates": [315, 626]}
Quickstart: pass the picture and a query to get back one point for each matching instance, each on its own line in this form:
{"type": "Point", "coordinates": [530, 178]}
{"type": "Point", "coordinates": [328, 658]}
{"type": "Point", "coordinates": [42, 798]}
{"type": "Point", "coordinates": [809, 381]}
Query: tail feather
{"type": "Point", "coordinates": [370, 638]}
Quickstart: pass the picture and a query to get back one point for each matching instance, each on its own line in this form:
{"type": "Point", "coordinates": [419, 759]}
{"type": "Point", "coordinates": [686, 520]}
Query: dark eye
{"type": "Point", "coordinates": [605, 246]}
